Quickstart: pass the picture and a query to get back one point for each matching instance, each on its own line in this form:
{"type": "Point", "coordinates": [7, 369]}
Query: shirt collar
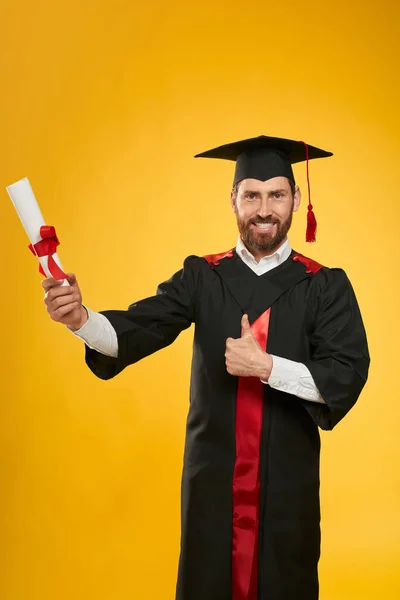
{"type": "Point", "coordinates": [280, 255]}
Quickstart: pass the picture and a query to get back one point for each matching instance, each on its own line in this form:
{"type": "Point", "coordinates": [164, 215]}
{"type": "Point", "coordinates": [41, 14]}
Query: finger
{"type": "Point", "coordinates": [71, 278]}
{"type": "Point", "coordinates": [63, 310]}
{"type": "Point", "coordinates": [50, 282]}
{"type": "Point", "coordinates": [56, 292]}
{"type": "Point", "coordinates": [245, 325]}
{"type": "Point", "coordinates": [61, 301]}
{"type": "Point", "coordinates": [229, 342]}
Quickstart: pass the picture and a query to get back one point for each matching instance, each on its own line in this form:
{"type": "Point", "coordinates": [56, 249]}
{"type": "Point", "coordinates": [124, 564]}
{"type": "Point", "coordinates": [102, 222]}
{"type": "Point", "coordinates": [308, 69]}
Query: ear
{"type": "Point", "coordinates": [297, 199]}
{"type": "Point", "coordinates": [233, 201]}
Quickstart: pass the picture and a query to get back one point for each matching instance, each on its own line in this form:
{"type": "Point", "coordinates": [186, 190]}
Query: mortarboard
{"type": "Point", "coordinates": [266, 157]}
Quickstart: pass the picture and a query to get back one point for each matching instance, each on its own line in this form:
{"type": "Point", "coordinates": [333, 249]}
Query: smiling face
{"type": "Point", "coordinates": [264, 211]}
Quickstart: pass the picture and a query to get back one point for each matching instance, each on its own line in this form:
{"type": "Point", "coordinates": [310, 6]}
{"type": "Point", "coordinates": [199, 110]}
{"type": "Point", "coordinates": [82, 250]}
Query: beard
{"type": "Point", "coordinates": [264, 242]}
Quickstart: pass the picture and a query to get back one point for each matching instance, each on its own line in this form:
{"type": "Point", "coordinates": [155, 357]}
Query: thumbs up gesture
{"type": "Point", "coordinates": [244, 356]}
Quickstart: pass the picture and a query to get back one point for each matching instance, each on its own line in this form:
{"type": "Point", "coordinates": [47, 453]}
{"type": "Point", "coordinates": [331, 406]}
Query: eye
{"type": "Point", "coordinates": [250, 196]}
{"type": "Point", "coordinates": [277, 195]}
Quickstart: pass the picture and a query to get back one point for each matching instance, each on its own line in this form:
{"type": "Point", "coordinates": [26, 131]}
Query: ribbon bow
{"type": "Point", "coordinates": [47, 246]}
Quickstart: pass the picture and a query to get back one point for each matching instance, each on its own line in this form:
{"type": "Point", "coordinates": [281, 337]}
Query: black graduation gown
{"type": "Point", "coordinates": [250, 483]}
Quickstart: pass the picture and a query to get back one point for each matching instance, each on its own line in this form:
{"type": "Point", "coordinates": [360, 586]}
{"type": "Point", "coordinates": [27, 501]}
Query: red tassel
{"type": "Point", "coordinates": [311, 225]}
{"type": "Point", "coordinates": [311, 220]}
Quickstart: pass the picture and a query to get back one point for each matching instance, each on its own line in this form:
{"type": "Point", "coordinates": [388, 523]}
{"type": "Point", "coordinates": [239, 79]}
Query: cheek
{"type": "Point", "coordinates": [245, 212]}
{"type": "Point", "coordinates": [284, 212]}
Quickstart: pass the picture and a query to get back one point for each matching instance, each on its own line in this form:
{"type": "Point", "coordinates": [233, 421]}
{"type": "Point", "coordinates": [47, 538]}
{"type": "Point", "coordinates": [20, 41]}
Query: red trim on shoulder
{"type": "Point", "coordinates": [213, 259]}
{"type": "Point", "coordinates": [312, 265]}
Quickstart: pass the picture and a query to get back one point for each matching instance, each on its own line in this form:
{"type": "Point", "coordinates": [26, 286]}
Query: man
{"type": "Point", "coordinates": [279, 349]}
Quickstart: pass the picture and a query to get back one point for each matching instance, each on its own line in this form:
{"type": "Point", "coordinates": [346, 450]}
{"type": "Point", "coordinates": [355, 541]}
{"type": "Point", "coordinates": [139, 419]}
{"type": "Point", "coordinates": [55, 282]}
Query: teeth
{"type": "Point", "coordinates": [264, 225]}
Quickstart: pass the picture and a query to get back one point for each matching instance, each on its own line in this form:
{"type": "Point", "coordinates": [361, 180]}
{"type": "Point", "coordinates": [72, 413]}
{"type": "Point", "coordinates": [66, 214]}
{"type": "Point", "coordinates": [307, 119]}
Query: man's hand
{"type": "Point", "coordinates": [64, 303]}
{"type": "Point", "coordinates": [244, 357]}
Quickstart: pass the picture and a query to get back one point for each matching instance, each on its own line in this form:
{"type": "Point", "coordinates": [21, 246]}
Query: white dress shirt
{"type": "Point", "coordinates": [287, 375]}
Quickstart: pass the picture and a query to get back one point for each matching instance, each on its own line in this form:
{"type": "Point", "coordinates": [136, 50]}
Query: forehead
{"type": "Point", "coordinates": [255, 185]}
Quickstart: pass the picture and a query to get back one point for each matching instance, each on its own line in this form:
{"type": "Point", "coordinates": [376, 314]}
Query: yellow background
{"type": "Point", "coordinates": [103, 105]}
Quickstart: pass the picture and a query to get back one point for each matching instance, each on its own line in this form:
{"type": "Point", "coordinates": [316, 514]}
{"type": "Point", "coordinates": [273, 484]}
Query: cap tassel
{"type": "Point", "coordinates": [311, 220]}
{"type": "Point", "coordinates": [311, 225]}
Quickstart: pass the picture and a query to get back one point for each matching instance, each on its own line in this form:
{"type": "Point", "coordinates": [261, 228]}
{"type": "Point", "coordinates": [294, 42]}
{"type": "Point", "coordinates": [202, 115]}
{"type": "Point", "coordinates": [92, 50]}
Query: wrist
{"type": "Point", "coordinates": [266, 365]}
{"type": "Point", "coordinates": [83, 317]}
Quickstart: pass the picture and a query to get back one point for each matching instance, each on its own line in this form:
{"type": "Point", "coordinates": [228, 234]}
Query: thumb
{"type": "Point", "coordinates": [246, 326]}
{"type": "Point", "coordinates": [71, 278]}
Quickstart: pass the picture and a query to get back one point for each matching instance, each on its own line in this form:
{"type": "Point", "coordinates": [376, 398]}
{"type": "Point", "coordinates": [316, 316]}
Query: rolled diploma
{"type": "Point", "coordinates": [28, 210]}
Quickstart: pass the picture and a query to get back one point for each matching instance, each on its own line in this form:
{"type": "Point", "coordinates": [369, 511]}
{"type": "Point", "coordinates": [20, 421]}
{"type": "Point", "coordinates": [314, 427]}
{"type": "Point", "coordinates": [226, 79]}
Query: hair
{"type": "Point", "coordinates": [235, 188]}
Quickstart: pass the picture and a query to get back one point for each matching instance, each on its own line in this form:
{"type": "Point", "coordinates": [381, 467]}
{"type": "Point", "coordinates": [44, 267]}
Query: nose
{"type": "Point", "coordinates": [264, 208]}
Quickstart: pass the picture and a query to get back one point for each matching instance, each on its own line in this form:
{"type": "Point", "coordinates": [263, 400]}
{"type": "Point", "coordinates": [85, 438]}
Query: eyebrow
{"type": "Point", "coordinates": [250, 191]}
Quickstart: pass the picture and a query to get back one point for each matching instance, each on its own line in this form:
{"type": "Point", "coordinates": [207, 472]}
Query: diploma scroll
{"type": "Point", "coordinates": [42, 237]}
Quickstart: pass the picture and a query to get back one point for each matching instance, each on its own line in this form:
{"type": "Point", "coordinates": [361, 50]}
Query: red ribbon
{"type": "Point", "coordinates": [246, 476]}
{"type": "Point", "coordinates": [47, 246]}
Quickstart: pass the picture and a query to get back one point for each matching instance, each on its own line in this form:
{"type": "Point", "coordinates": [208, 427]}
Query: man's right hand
{"type": "Point", "coordinates": [64, 303]}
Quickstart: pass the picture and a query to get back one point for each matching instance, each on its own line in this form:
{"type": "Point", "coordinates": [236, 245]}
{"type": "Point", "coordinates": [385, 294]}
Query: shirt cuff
{"type": "Point", "coordinates": [98, 333]}
{"type": "Point", "coordinates": [293, 378]}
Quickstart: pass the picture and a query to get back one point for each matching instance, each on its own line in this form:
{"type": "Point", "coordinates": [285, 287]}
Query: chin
{"type": "Point", "coordinates": [264, 243]}
{"type": "Point", "coordinates": [264, 240]}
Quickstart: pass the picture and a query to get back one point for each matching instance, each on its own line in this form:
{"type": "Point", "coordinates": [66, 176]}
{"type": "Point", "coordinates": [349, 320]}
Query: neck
{"type": "Point", "coordinates": [259, 254]}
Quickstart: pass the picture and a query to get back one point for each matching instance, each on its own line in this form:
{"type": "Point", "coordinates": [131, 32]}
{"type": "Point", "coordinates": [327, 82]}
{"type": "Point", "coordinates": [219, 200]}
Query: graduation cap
{"type": "Point", "coordinates": [266, 157]}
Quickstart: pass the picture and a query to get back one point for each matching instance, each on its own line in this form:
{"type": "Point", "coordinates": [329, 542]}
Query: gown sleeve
{"type": "Point", "coordinates": [339, 356]}
{"type": "Point", "coordinates": [150, 324]}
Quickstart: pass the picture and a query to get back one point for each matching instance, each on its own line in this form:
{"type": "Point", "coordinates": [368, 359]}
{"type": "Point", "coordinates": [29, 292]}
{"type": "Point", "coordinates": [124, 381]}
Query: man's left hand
{"type": "Point", "coordinates": [244, 357]}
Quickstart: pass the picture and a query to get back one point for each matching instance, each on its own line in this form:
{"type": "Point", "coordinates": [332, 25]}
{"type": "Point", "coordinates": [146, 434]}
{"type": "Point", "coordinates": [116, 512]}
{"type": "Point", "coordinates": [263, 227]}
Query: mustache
{"type": "Point", "coordinates": [268, 220]}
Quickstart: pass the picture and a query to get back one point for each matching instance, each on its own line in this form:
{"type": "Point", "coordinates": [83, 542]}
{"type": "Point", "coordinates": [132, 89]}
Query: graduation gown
{"type": "Point", "coordinates": [250, 515]}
